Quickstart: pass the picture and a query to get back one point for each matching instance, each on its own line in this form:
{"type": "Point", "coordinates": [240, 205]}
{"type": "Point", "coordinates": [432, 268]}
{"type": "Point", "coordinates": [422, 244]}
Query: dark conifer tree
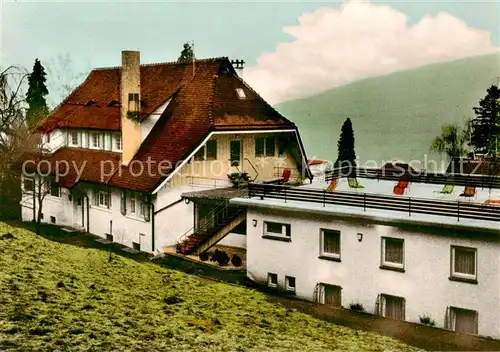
{"type": "Point", "coordinates": [35, 97]}
{"type": "Point", "coordinates": [347, 155]}
{"type": "Point", "coordinates": [486, 124]}
{"type": "Point", "coordinates": [187, 53]}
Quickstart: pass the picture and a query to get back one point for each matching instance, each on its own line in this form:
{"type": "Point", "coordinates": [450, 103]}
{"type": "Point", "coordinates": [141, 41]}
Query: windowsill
{"type": "Point", "coordinates": [327, 257]}
{"type": "Point", "coordinates": [277, 238]}
{"type": "Point", "coordinates": [463, 279]}
{"type": "Point", "coordinates": [97, 207]}
{"type": "Point", "coordinates": [133, 217]}
{"type": "Point", "coordinates": [54, 198]}
{"type": "Point", "coordinates": [393, 268]}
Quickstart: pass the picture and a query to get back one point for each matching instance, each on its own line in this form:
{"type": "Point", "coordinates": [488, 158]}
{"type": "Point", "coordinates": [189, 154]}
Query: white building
{"type": "Point", "coordinates": [401, 256]}
{"type": "Point", "coordinates": [119, 151]}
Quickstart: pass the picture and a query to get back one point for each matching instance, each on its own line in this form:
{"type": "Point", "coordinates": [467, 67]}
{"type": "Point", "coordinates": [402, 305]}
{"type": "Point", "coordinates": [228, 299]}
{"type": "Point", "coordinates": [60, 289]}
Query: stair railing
{"type": "Point", "coordinates": [219, 209]}
{"type": "Point", "coordinates": [254, 169]}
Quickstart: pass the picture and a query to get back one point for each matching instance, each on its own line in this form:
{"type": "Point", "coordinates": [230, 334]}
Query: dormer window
{"type": "Point", "coordinates": [90, 103]}
{"type": "Point", "coordinates": [113, 103]}
{"type": "Point", "coordinates": [240, 93]}
{"type": "Point", "coordinates": [133, 102]}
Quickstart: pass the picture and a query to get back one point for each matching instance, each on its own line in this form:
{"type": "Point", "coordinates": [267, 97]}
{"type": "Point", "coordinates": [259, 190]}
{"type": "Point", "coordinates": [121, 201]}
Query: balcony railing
{"type": "Point", "coordinates": [479, 181]}
{"type": "Point", "coordinates": [458, 210]}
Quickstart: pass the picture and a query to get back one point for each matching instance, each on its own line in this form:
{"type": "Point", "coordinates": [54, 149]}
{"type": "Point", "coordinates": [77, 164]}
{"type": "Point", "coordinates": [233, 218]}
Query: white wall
{"type": "Point", "coordinates": [424, 284]}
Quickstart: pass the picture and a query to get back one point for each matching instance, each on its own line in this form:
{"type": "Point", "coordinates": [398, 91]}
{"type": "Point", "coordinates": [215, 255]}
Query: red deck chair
{"type": "Point", "coordinates": [399, 190]}
{"type": "Point", "coordinates": [286, 175]}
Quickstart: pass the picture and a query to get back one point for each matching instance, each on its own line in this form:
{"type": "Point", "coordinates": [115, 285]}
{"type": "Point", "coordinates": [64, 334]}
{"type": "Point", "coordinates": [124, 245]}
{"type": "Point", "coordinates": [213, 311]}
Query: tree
{"type": "Point", "coordinates": [35, 97]}
{"type": "Point", "coordinates": [347, 155]}
{"type": "Point", "coordinates": [187, 53]}
{"type": "Point", "coordinates": [486, 124]}
{"type": "Point", "coordinates": [12, 138]}
{"type": "Point", "coordinates": [452, 141]}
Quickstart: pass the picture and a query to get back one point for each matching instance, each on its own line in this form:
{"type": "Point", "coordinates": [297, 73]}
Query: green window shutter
{"type": "Point", "coordinates": [109, 193]}
{"type": "Point", "coordinates": [123, 206]}
{"type": "Point", "coordinates": [79, 139]}
{"type": "Point", "coordinates": [147, 211]}
{"type": "Point", "coordinates": [101, 140]}
{"type": "Point", "coordinates": [259, 147]}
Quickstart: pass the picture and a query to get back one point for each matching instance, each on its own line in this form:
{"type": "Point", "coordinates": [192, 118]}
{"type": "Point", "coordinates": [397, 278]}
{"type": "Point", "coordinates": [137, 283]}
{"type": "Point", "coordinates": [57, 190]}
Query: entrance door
{"type": "Point", "coordinates": [235, 153]}
{"type": "Point", "coordinates": [77, 212]}
{"type": "Point", "coordinates": [333, 295]}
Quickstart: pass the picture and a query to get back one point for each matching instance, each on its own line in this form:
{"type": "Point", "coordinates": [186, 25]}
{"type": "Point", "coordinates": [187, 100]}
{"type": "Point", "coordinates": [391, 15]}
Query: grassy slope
{"type": "Point", "coordinates": [397, 115]}
{"type": "Point", "coordinates": [56, 295]}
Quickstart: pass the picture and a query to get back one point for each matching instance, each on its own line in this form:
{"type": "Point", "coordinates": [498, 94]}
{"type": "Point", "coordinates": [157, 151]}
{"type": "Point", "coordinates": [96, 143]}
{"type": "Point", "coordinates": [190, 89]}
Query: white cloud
{"type": "Point", "coordinates": [333, 47]}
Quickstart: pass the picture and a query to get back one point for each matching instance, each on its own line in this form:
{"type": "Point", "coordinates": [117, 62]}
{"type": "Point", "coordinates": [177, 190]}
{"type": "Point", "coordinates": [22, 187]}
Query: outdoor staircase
{"type": "Point", "coordinates": [204, 238]}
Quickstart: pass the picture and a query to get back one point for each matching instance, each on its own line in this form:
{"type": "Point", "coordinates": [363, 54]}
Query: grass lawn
{"type": "Point", "coordinates": [60, 296]}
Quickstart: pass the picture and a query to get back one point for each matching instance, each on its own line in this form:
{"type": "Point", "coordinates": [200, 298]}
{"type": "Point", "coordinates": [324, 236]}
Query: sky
{"type": "Point", "coordinates": [291, 49]}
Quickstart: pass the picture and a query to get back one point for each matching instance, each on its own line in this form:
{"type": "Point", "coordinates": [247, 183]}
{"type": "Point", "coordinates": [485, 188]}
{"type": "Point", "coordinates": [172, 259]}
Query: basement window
{"type": "Point", "coordinates": [136, 246]}
{"type": "Point", "coordinates": [240, 93]}
{"type": "Point", "coordinates": [272, 280]}
{"type": "Point", "coordinates": [289, 283]}
{"type": "Point", "coordinates": [52, 219]}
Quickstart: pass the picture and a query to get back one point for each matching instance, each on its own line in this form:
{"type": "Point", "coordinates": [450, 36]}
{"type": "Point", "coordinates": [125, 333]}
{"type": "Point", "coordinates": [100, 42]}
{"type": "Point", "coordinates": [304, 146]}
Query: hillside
{"type": "Point", "coordinates": [60, 296]}
{"type": "Point", "coordinates": [397, 115]}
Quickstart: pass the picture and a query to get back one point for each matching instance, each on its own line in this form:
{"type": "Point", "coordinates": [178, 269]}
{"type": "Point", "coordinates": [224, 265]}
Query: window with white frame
{"type": "Point", "coordinates": [275, 229]}
{"type": "Point", "coordinates": [392, 253]}
{"type": "Point", "coordinates": [272, 280]}
{"type": "Point", "coordinates": [330, 243]}
{"type": "Point", "coordinates": [463, 263]}
{"type": "Point", "coordinates": [290, 283]}
{"type": "Point", "coordinates": [462, 320]}
{"type": "Point", "coordinates": [73, 138]}
{"type": "Point", "coordinates": [391, 307]}
{"type": "Point", "coordinates": [95, 140]}
{"type": "Point", "coordinates": [265, 146]}
{"type": "Point", "coordinates": [117, 142]}
{"type": "Point", "coordinates": [104, 199]}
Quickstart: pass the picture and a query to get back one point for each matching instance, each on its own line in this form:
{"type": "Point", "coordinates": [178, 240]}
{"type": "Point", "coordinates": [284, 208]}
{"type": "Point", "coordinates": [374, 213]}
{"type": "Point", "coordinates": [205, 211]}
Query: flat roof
{"type": "Point", "coordinates": [375, 187]}
{"type": "Point", "coordinates": [377, 215]}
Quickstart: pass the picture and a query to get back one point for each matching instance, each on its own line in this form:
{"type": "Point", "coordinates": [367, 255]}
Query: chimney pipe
{"type": "Point", "coordinates": [130, 85]}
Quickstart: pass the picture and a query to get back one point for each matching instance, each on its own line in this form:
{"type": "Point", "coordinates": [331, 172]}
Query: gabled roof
{"type": "Point", "coordinates": [201, 103]}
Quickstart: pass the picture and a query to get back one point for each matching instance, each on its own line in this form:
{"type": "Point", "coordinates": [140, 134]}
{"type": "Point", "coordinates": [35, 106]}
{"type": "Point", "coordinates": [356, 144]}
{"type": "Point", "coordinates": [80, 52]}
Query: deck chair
{"type": "Point", "coordinates": [353, 183]}
{"type": "Point", "coordinates": [286, 175]}
{"type": "Point", "coordinates": [332, 185]}
{"type": "Point", "coordinates": [447, 189]}
{"type": "Point", "coordinates": [469, 191]}
{"type": "Point", "coordinates": [398, 190]}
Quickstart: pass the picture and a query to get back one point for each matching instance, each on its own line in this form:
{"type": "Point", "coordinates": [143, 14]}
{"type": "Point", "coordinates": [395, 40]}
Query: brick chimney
{"type": "Point", "coordinates": [130, 104]}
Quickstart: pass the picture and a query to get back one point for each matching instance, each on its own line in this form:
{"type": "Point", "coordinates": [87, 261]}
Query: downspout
{"type": "Point", "coordinates": [88, 214]}
{"type": "Point", "coordinates": [34, 205]}
{"type": "Point", "coordinates": [152, 227]}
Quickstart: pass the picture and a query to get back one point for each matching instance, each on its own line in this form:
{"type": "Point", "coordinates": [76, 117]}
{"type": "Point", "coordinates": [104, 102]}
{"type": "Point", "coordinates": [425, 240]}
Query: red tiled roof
{"type": "Point", "coordinates": [95, 165]}
{"type": "Point", "coordinates": [199, 104]}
